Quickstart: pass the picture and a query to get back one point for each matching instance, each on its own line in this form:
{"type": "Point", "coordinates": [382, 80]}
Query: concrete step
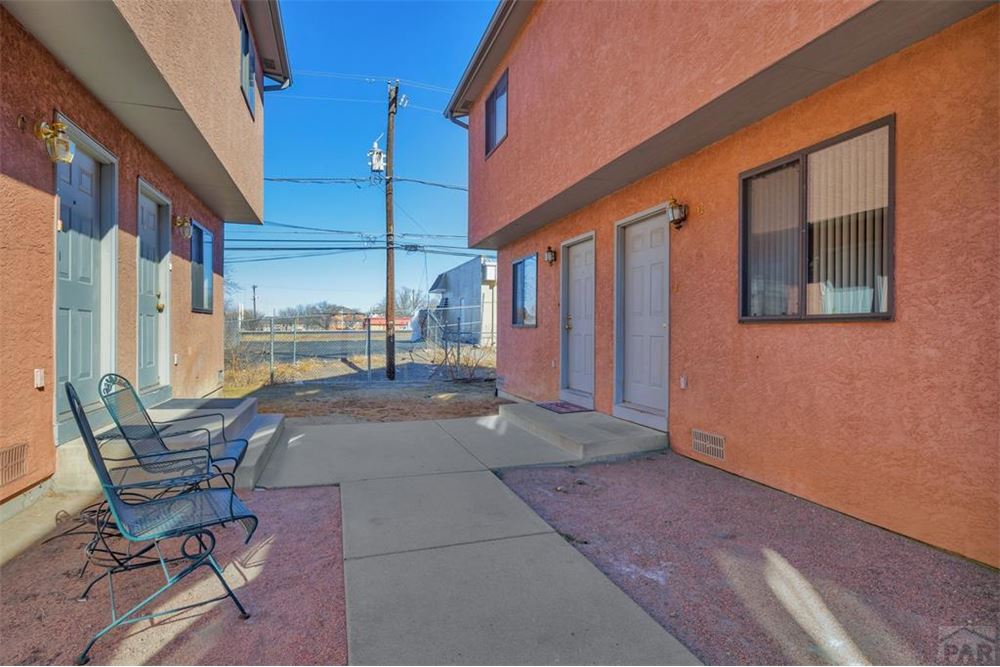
{"type": "Point", "coordinates": [238, 413]}
{"type": "Point", "coordinates": [262, 431]}
{"type": "Point", "coordinates": [263, 435]}
{"type": "Point", "coordinates": [587, 435]}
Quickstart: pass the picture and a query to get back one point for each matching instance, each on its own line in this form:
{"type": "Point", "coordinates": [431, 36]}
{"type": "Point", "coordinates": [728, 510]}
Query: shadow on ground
{"type": "Point", "coordinates": [290, 578]}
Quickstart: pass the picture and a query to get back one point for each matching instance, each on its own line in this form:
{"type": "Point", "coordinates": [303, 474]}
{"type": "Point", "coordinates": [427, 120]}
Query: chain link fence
{"type": "Point", "coordinates": [455, 343]}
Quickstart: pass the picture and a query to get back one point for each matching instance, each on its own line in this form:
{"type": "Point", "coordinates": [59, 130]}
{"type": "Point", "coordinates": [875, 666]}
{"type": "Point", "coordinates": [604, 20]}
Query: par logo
{"type": "Point", "coordinates": [967, 645]}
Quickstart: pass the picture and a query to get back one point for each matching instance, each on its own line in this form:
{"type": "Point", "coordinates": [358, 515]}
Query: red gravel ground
{"type": "Point", "coordinates": [744, 574]}
{"type": "Point", "coordinates": [290, 577]}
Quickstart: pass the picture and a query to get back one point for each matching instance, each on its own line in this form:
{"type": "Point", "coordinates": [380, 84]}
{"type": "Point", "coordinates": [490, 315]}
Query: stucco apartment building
{"type": "Point", "coordinates": [771, 231]}
{"type": "Point", "coordinates": [113, 261]}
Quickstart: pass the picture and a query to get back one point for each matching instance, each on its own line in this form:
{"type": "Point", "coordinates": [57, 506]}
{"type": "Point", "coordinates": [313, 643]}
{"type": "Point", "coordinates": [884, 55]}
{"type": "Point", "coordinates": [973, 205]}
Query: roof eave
{"type": "Point", "coordinates": [269, 31]}
{"type": "Point", "coordinates": [503, 27]}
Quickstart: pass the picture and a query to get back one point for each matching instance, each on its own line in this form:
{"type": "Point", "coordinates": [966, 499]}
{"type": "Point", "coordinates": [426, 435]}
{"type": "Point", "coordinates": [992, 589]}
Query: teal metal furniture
{"type": "Point", "coordinates": [146, 437]}
{"type": "Point", "coordinates": [172, 523]}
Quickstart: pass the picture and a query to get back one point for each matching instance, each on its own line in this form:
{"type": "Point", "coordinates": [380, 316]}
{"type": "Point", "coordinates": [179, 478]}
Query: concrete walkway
{"type": "Point", "coordinates": [445, 565]}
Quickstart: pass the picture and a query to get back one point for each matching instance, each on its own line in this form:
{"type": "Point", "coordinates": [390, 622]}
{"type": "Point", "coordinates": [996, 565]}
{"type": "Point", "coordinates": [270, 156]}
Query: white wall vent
{"type": "Point", "coordinates": [709, 444]}
{"type": "Point", "coordinates": [13, 463]}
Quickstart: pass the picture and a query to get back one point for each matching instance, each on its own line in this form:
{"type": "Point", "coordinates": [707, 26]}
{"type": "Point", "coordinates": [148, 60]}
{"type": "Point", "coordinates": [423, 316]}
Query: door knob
{"type": "Point", "coordinates": [159, 307]}
{"type": "Point", "coordinates": [569, 322]}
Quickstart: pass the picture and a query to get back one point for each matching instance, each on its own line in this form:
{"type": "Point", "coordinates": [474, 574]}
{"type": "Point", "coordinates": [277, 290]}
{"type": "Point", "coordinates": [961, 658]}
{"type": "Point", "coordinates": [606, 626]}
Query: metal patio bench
{"type": "Point", "coordinates": [179, 512]}
{"type": "Point", "coordinates": [146, 437]}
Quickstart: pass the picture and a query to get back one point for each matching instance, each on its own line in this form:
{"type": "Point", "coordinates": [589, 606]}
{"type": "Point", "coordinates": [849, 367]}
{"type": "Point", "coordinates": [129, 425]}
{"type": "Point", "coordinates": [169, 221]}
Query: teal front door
{"type": "Point", "coordinates": [150, 301]}
{"type": "Point", "coordinates": [78, 279]}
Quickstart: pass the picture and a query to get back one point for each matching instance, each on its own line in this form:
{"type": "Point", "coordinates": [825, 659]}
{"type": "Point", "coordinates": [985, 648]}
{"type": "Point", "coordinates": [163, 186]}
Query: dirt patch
{"type": "Point", "coordinates": [744, 574]}
{"type": "Point", "coordinates": [378, 402]}
{"type": "Point", "coordinates": [290, 578]}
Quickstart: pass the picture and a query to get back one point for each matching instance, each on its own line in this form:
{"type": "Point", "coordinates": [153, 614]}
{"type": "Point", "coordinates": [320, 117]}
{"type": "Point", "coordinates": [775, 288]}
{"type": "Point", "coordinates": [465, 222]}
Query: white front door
{"type": "Point", "coordinates": [644, 312]}
{"type": "Point", "coordinates": [578, 325]}
{"type": "Point", "coordinates": [150, 301]}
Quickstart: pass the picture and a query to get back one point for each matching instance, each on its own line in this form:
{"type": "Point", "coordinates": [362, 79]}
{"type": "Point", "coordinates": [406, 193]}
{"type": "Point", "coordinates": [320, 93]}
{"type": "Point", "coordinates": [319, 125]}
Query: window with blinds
{"type": "Point", "coordinates": [817, 231]}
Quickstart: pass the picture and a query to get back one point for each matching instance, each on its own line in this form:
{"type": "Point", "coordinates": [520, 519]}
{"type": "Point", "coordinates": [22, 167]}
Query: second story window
{"type": "Point", "coordinates": [248, 64]}
{"type": "Point", "coordinates": [496, 115]}
{"type": "Point", "coordinates": [201, 269]}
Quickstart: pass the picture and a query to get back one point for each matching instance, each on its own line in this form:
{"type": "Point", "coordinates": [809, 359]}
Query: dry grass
{"type": "Point", "coordinates": [380, 402]}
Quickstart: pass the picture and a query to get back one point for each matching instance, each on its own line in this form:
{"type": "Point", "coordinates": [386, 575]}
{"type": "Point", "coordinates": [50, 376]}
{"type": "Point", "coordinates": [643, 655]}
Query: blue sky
{"type": "Point", "coordinates": [425, 42]}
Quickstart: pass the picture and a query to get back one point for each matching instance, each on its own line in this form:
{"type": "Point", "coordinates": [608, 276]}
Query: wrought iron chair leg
{"type": "Point", "coordinates": [244, 614]}
{"type": "Point", "coordinates": [202, 558]}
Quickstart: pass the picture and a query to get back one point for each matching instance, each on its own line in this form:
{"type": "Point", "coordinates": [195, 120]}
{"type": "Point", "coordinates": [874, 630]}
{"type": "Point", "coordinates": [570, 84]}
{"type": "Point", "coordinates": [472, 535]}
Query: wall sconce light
{"type": "Point", "coordinates": [183, 224]}
{"type": "Point", "coordinates": [60, 148]}
{"type": "Point", "coordinates": [677, 213]}
{"type": "Point", "coordinates": [550, 256]}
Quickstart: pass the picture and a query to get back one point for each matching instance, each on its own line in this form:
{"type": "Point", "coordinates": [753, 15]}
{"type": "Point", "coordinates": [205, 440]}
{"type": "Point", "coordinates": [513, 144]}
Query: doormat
{"type": "Point", "coordinates": [563, 407]}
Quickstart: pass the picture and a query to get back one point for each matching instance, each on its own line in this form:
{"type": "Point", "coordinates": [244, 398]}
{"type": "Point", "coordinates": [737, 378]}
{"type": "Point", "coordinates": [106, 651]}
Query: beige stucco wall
{"type": "Point", "coordinates": [205, 78]}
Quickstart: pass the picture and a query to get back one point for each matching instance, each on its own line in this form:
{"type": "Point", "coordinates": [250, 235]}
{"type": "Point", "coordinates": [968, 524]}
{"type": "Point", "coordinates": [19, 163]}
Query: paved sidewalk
{"type": "Point", "coordinates": [445, 565]}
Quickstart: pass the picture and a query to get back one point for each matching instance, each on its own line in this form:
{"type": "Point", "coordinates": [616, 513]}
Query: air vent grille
{"type": "Point", "coordinates": [709, 444]}
{"type": "Point", "coordinates": [13, 463]}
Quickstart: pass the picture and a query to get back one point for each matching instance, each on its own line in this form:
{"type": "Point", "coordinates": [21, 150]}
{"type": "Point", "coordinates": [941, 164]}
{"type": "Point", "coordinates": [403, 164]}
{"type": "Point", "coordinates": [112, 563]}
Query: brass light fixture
{"type": "Point", "coordinates": [677, 213]}
{"type": "Point", "coordinates": [183, 225]}
{"type": "Point", "coordinates": [58, 145]}
{"type": "Point", "coordinates": [550, 256]}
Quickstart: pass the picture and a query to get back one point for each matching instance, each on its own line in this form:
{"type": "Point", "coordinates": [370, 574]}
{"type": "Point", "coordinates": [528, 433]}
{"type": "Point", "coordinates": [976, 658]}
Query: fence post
{"type": "Point", "coordinates": [368, 345]}
{"type": "Point", "coordinates": [271, 358]}
{"type": "Point", "coordinates": [295, 327]}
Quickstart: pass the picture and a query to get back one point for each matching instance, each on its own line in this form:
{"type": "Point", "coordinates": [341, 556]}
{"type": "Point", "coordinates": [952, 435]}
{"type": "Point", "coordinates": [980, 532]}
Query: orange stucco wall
{"type": "Point", "coordinates": [203, 79]}
{"type": "Point", "coordinates": [591, 80]}
{"type": "Point", "coordinates": [35, 85]}
{"type": "Point", "coordinates": [896, 423]}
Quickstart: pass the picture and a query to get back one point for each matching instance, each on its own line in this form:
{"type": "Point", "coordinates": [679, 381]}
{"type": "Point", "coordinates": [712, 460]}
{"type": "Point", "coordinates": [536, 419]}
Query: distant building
{"type": "Point", "coordinates": [467, 309]}
{"type": "Point", "coordinates": [377, 322]}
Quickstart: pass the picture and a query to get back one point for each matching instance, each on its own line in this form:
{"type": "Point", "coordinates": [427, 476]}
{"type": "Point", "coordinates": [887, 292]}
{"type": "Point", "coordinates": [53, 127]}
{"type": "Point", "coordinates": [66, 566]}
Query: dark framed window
{"type": "Point", "coordinates": [248, 64]}
{"type": "Point", "coordinates": [202, 241]}
{"type": "Point", "coordinates": [524, 278]}
{"type": "Point", "coordinates": [816, 230]}
{"type": "Point", "coordinates": [496, 115]}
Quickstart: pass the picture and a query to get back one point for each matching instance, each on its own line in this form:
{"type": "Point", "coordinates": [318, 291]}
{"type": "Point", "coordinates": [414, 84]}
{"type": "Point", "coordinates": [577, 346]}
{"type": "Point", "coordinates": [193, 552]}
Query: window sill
{"type": "Point", "coordinates": [203, 311]}
{"type": "Point", "coordinates": [494, 149]}
{"type": "Point", "coordinates": [867, 317]}
{"type": "Point", "coordinates": [525, 326]}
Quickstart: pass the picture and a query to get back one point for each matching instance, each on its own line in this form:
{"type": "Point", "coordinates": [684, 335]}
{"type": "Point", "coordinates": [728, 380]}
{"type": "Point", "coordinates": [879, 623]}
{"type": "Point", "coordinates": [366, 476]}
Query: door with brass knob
{"type": "Point", "coordinates": [577, 383]}
{"type": "Point", "coordinates": [148, 334]}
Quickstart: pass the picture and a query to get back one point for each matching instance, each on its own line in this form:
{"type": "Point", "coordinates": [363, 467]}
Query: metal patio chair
{"type": "Point", "coordinates": [146, 436]}
{"type": "Point", "coordinates": [152, 522]}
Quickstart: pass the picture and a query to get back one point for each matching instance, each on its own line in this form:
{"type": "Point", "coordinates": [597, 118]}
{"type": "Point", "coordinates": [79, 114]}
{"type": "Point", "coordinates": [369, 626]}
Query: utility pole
{"type": "Point", "coordinates": [255, 304]}
{"type": "Point", "coordinates": [390, 241]}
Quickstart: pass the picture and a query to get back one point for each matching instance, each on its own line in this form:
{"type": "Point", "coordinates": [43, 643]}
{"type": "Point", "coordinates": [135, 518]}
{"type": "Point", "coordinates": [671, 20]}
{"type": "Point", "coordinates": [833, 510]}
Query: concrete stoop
{"type": "Point", "coordinates": [586, 435]}
{"type": "Point", "coordinates": [261, 431]}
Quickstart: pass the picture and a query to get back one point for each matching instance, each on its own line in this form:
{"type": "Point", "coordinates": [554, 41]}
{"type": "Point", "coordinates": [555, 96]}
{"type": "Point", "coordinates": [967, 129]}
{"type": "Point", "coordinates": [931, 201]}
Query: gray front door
{"type": "Point", "coordinates": [78, 279]}
{"type": "Point", "coordinates": [579, 324]}
{"type": "Point", "coordinates": [645, 312]}
{"type": "Point", "coordinates": [148, 280]}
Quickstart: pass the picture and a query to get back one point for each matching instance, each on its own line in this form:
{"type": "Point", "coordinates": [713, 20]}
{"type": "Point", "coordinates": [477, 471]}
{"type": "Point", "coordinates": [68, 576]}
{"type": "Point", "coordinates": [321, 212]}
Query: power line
{"type": "Point", "coordinates": [371, 78]}
{"type": "Point", "coordinates": [358, 180]}
{"type": "Point", "coordinates": [357, 100]}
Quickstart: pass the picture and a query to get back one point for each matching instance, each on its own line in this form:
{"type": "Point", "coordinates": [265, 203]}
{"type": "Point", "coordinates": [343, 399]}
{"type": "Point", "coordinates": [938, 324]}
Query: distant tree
{"type": "Point", "coordinates": [230, 289]}
{"type": "Point", "coordinates": [408, 300]}
{"type": "Point", "coordinates": [319, 315]}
